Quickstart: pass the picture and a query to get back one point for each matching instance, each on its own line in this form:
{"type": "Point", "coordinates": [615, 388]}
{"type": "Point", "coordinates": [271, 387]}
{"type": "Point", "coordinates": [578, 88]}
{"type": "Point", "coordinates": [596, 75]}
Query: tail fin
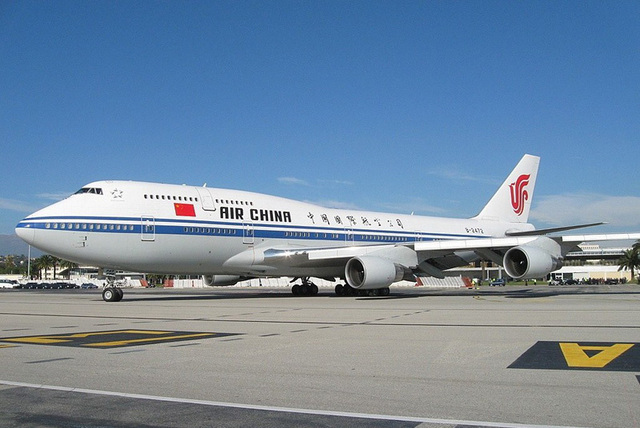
{"type": "Point", "coordinates": [512, 201]}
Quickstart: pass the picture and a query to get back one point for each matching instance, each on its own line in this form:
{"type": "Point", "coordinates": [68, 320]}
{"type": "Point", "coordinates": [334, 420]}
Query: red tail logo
{"type": "Point", "coordinates": [518, 193]}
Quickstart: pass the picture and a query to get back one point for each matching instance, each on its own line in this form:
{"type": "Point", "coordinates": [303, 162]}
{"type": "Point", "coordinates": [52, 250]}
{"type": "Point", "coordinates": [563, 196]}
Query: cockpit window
{"type": "Point", "coordinates": [93, 190]}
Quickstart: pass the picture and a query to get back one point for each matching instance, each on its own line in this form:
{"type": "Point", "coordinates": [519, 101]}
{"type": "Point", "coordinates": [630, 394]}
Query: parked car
{"type": "Point", "coordinates": [8, 283]}
{"type": "Point", "coordinates": [88, 285]}
{"type": "Point", "coordinates": [500, 282]}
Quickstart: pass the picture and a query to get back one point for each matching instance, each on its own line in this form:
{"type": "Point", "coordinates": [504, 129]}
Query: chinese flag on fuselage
{"type": "Point", "coordinates": [186, 210]}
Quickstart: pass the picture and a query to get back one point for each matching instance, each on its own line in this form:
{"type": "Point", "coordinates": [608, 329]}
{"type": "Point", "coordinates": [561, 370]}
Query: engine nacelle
{"type": "Point", "coordinates": [220, 280]}
{"type": "Point", "coordinates": [530, 262]}
{"type": "Point", "coordinates": [370, 272]}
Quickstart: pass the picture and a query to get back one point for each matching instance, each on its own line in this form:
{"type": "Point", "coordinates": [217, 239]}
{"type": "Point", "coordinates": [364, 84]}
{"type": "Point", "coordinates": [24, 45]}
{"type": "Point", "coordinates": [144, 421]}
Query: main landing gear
{"type": "Point", "coordinates": [307, 288]}
{"type": "Point", "coordinates": [347, 290]}
{"type": "Point", "coordinates": [111, 292]}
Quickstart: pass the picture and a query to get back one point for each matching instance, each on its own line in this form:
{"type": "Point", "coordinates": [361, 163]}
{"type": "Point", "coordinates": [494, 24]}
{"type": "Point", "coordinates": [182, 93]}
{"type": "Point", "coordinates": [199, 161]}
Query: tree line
{"type": "Point", "coordinates": [631, 260]}
{"type": "Point", "coordinates": [40, 266]}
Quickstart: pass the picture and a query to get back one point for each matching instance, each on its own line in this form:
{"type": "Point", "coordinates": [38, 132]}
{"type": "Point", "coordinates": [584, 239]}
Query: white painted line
{"type": "Point", "coordinates": [279, 409]}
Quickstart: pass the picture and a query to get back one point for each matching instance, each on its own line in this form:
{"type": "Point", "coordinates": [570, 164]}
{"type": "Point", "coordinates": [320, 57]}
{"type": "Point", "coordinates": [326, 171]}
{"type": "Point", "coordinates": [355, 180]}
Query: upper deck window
{"type": "Point", "coordinates": [93, 190]}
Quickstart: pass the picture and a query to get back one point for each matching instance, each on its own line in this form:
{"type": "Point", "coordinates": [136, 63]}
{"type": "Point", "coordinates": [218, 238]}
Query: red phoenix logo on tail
{"type": "Point", "coordinates": [518, 193]}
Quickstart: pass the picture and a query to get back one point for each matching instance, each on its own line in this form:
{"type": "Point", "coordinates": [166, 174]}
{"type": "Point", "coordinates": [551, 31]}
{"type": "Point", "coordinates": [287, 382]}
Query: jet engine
{"type": "Point", "coordinates": [370, 272]}
{"type": "Point", "coordinates": [219, 280]}
{"type": "Point", "coordinates": [531, 261]}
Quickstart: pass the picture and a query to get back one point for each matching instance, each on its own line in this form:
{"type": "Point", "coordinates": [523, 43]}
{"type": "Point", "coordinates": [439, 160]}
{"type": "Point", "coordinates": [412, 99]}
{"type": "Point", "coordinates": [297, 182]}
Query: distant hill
{"type": "Point", "coordinates": [12, 245]}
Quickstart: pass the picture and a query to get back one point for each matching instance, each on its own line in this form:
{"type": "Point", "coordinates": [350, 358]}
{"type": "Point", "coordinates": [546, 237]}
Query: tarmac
{"type": "Point", "coordinates": [227, 357]}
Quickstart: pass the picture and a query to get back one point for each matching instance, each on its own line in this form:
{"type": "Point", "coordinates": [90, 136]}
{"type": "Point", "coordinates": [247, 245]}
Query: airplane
{"type": "Point", "coordinates": [228, 236]}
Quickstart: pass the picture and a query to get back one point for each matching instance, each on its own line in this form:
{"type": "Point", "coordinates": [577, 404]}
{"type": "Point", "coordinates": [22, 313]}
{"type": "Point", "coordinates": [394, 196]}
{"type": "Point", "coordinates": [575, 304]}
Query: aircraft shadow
{"type": "Point", "coordinates": [514, 292]}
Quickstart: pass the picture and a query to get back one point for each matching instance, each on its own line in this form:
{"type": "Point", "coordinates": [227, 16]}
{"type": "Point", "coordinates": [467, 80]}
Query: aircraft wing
{"type": "Point", "coordinates": [471, 244]}
{"type": "Point", "coordinates": [299, 257]}
{"type": "Point", "coordinates": [429, 257]}
{"type": "Point", "coordinates": [603, 237]}
{"type": "Point", "coordinates": [538, 255]}
{"type": "Point", "coordinates": [304, 255]}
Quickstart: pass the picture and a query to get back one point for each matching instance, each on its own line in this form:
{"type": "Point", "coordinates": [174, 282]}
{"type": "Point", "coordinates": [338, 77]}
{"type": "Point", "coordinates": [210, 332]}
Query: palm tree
{"type": "Point", "coordinates": [65, 264]}
{"type": "Point", "coordinates": [9, 264]}
{"type": "Point", "coordinates": [56, 263]}
{"type": "Point", "coordinates": [630, 260]}
{"type": "Point", "coordinates": [45, 262]}
{"type": "Point", "coordinates": [36, 266]}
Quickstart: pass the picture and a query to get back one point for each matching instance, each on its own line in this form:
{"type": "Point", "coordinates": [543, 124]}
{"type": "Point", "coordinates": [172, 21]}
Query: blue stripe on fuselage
{"type": "Point", "coordinates": [162, 226]}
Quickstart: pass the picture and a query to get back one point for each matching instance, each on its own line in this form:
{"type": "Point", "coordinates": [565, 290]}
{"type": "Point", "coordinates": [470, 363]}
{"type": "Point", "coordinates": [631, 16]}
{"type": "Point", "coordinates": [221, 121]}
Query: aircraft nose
{"type": "Point", "coordinates": [25, 232]}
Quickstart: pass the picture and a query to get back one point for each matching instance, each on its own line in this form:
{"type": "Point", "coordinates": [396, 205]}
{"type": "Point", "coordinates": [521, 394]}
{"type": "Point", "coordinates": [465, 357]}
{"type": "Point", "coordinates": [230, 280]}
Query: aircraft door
{"type": "Point", "coordinates": [206, 199]}
{"type": "Point", "coordinates": [349, 236]}
{"type": "Point", "coordinates": [148, 228]}
{"type": "Point", "coordinates": [248, 233]}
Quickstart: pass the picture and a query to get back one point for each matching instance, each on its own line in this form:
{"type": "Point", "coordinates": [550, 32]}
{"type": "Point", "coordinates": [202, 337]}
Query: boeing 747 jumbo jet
{"type": "Point", "coordinates": [229, 236]}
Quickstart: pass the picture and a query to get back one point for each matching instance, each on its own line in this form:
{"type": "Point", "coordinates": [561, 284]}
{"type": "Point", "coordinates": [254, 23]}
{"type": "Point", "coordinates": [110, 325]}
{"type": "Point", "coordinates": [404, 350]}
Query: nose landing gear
{"type": "Point", "coordinates": [111, 292]}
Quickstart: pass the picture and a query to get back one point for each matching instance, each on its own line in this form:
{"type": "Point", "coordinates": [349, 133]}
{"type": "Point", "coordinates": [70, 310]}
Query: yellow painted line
{"type": "Point", "coordinates": [40, 340]}
{"type": "Point", "coordinates": [2, 345]}
{"type": "Point", "coordinates": [577, 357]}
{"type": "Point", "coordinates": [150, 339]}
{"type": "Point", "coordinates": [47, 340]}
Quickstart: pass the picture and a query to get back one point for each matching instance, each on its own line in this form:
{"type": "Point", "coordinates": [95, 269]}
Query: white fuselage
{"type": "Point", "coordinates": [162, 228]}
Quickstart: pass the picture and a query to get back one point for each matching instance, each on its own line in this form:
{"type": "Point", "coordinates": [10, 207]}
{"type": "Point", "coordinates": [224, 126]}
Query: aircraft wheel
{"type": "Point", "coordinates": [109, 294]}
{"type": "Point", "coordinates": [385, 291]}
{"type": "Point", "coordinates": [339, 290]}
{"type": "Point", "coordinates": [295, 290]}
{"type": "Point", "coordinates": [119, 294]}
{"type": "Point", "coordinates": [314, 289]}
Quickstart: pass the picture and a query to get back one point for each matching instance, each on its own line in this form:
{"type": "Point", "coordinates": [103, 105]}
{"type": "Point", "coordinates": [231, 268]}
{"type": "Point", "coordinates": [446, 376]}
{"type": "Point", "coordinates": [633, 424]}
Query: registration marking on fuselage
{"type": "Point", "coordinates": [113, 338]}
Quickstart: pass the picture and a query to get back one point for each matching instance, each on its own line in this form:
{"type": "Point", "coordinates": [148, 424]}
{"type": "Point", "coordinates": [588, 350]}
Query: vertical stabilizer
{"type": "Point", "coordinates": [512, 201]}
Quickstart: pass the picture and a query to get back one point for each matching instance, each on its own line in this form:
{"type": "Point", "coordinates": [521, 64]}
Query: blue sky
{"type": "Point", "coordinates": [394, 106]}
